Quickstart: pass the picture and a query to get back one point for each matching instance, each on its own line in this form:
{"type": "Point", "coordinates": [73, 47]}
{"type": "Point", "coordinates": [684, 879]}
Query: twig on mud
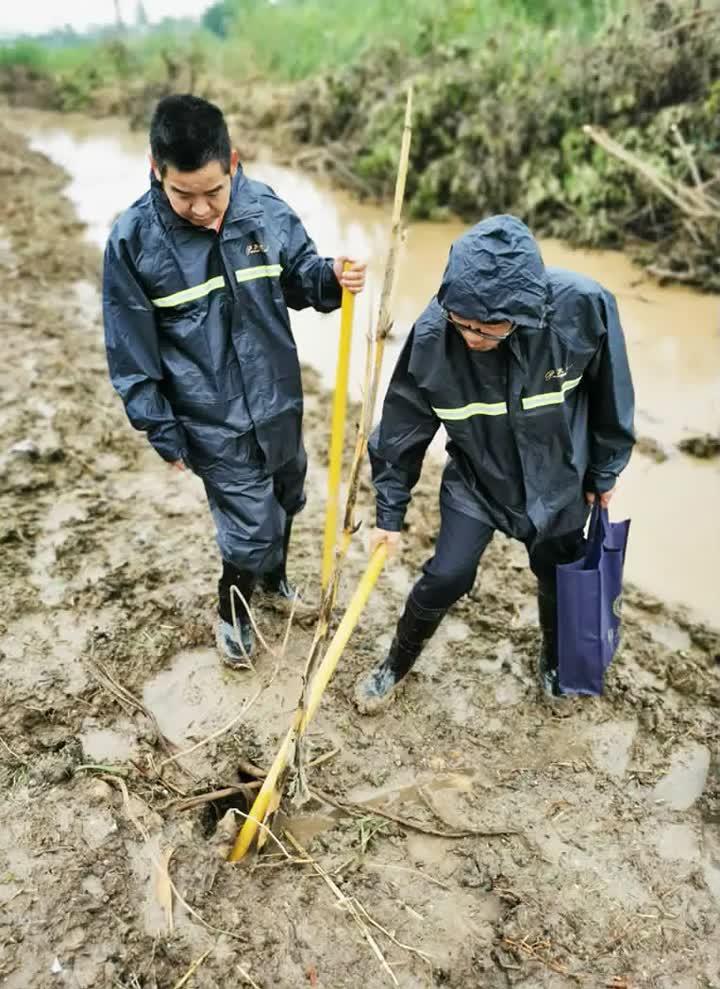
{"type": "Point", "coordinates": [466, 832]}
{"type": "Point", "coordinates": [192, 970]}
{"type": "Point", "coordinates": [349, 904]}
{"type": "Point", "coordinates": [246, 975]}
{"type": "Point", "coordinates": [97, 768]}
{"type": "Point", "coordinates": [143, 832]}
{"type": "Point", "coordinates": [121, 693]}
{"type": "Point", "coordinates": [531, 950]}
{"type": "Point", "coordinates": [370, 864]}
{"type": "Point", "coordinates": [250, 769]}
{"type": "Point", "coordinates": [189, 803]}
{"type": "Point", "coordinates": [323, 758]}
{"type": "Point", "coordinates": [13, 754]}
{"type": "Point", "coordinates": [286, 637]}
{"type": "Point", "coordinates": [405, 947]}
{"type": "Point", "coordinates": [215, 734]}
{"type": "Point", "coordinates": [362, 810]}
{"type": "Point", "coordinates": [431, 806]}
{"type": "Point", "coordinates": [248, 611]}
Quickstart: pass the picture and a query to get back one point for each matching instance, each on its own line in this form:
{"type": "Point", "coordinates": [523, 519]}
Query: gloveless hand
{"type": "Point", "coordinates": [354, 278]}
{"type": "Point", "coordinates": [605, 497]}
{"type": "Point", "coordinates": [393, 541]}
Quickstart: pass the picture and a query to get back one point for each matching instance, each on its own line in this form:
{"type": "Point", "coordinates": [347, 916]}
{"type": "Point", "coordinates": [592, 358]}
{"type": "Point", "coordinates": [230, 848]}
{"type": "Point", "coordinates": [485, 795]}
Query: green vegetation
{"type": "Point", "coordinates": [503, 91]}
{"type": "Point", "coordinates": [326, 35]}
{"type": "Point", "coordinates": [499, 128]}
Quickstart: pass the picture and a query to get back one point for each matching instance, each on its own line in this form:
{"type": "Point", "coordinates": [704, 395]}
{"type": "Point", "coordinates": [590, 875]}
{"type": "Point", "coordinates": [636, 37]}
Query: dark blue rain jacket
{"type": "Point", "coordinates": [197, 332]}
{"type": "Point", "coordinates": [532, 424]}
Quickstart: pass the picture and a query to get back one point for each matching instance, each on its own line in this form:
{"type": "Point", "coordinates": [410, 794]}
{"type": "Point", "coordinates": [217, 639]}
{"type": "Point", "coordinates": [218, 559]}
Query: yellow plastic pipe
{"type": "Point", "coordinates": [337, 435]}
{"type": "Point", "coordinates": [320, 681]}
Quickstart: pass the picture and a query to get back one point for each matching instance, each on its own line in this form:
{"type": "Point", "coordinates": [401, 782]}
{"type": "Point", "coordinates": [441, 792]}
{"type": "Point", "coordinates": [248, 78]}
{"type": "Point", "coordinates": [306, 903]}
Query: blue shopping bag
{"type": "Point", "coordinates": [589, 602]}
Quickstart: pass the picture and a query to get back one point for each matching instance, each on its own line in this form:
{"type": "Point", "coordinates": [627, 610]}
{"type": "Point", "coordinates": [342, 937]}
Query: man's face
{"type": "Point", "coordinates": [201, 196]}
{"type": "Point", "coordinates": [473, 339]}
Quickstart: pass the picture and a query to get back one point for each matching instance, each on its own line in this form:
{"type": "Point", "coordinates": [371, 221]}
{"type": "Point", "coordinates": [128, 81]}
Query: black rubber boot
{"type": "Point", "coordinates": [416, 625]}
{"type": "Point", "coordinates": [276, 585]}
{"type": "Point", "coordinates": [275, 581]}
{"type": "Point", "coordinates": [548, 659]}
{"type": "Point", "coordinates": [235, 646]}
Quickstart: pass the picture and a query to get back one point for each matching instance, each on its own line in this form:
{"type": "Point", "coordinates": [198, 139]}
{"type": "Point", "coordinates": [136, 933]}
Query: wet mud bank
{"type": "Point", "coordinates": [108, 568]}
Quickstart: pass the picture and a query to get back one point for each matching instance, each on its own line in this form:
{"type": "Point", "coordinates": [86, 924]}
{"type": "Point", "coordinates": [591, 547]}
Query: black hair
{"type": "Point", "coordinates": [187, 132]}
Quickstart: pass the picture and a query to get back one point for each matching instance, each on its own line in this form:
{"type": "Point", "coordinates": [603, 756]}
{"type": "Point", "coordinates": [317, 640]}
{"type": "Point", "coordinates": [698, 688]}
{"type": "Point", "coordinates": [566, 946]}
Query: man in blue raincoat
{"type": "Point", "coordinates": [198, 277]}
{"type": "Point", "coordinates": [525, 367]}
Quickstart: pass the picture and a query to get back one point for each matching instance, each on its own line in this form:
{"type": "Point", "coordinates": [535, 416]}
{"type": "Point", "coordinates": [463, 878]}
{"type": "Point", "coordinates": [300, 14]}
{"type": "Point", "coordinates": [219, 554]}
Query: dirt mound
{"type": "Point", "coordinates": [108, 568]}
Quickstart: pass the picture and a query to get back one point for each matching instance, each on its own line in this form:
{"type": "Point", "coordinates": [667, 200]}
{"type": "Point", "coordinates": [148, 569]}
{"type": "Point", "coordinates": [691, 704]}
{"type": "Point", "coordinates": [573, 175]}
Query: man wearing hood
{"type": "Point", "coordinates": [526, 369]}
{"type": "Point", "coordinates": [198, 277]}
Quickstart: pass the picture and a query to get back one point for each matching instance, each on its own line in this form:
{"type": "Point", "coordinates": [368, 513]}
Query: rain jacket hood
{"type": "Point", "coordinates": [495, 273]}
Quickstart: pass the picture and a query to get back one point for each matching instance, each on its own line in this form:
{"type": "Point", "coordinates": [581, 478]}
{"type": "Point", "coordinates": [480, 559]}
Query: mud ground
{"type": "Point", "coordinates": [108, 566]}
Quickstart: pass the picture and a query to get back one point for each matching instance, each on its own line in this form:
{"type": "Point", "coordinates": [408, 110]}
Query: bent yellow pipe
{"type": "Point", "coordinates": [320, 681]}
{"type": "Point", "coordinates": [337, 435]}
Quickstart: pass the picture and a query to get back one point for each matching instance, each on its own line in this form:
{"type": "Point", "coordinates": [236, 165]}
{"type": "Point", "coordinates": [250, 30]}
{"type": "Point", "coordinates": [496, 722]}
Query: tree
{"type": "Point", "coordinates": [141, 17]}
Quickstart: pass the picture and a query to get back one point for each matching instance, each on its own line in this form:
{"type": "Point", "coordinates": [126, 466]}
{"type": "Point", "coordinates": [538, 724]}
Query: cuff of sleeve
{"type": "Point", "coordinates": [389, 521]}
{"type": "Point", "coordinates": [600, 481]}
{"type": "Point", "coordinates": [169, 443]}
{"type": "Point", "coordinates": [331, 287]}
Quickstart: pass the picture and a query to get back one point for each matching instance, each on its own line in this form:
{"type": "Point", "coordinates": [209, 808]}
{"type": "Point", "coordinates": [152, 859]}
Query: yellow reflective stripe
{"type": "Point", "coordinates": [259, 271]}
{"type": "Point", "coordinates": [474, 409]}
{"type": "Point", "coordinates": [188, 294]}
{"type": "Point", "coordinates": [551, 397]}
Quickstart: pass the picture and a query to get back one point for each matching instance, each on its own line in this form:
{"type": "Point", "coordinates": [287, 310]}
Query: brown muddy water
{"type": "Point", "coordinates": [673, 338]}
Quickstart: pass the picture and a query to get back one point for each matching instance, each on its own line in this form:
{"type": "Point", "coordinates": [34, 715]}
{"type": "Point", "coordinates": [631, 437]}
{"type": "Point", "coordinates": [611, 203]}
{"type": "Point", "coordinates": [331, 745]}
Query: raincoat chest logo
{"type": "Point", "coordinates": [557, 372]}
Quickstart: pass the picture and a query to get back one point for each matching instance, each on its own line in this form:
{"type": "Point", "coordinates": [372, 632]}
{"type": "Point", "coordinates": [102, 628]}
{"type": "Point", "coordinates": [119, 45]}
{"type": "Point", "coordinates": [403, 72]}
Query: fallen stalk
{"type": "Point", "coordinates": [317, 674]}
{"type": "Point", "coordinates": [269, 789]}
{"type": "Point", "coordinates": [373, 368]}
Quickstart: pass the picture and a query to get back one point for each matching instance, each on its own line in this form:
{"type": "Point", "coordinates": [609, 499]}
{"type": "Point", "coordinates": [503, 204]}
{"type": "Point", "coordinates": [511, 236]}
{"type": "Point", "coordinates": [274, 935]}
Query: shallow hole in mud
{"type": "Point", "coordinates": [212, 813]}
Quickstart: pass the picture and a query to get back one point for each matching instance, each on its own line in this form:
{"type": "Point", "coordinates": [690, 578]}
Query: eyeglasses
{"type": "Point", "coordinates": [463, 328]}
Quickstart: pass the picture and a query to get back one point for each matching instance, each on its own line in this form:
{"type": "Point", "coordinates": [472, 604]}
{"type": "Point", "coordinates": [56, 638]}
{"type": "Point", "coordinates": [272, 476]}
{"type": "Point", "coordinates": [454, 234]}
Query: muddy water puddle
{"type": "Point", "coordinates": [673, 337]}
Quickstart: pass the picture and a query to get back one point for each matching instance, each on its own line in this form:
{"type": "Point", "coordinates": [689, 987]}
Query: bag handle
{"type": "Point", "coordinates": [598, 517]}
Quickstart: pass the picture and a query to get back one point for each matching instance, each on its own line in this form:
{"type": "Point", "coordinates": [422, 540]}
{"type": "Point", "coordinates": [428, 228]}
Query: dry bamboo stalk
{"type": "Point", "coordinates": [693, 202]}
{"type": "Point", "coordinates": [373, 368]}
{"type": "Point", "coordinates": [291, 751]}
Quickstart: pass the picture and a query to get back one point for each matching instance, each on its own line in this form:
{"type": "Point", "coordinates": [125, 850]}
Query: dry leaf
{"type": "Point", "coordinates": [163, 889]}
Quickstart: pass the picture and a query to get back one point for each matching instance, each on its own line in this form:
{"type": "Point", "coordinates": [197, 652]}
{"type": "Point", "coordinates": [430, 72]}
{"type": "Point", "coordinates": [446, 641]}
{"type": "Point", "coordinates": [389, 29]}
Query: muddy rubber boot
{"type": "Point", "coordinates": [548, 659]}
{"type": "Point", "coordinates": [278, 588]}
{"type": "Point", "coordinates": [230, 646]}
{"type": "Point", "coordinates": [376, 689]}
{"type": "Point", "coordinates": [234, 647]}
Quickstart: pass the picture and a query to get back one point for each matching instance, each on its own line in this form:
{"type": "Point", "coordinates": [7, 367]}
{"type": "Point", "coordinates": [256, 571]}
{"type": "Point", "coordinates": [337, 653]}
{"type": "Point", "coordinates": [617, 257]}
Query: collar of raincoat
{"type": "Point", "coordinates": [243, 203]}
{"type": "Point", "coordinates": [495, 272]}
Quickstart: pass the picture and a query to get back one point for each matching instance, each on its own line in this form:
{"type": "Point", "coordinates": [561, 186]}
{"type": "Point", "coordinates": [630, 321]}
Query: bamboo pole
{"type": "Point", "coordinates": [373, 367]}
{"type": "Point", "coordinates": [317, 675]}
{"type": "Point", "coordinates": [337, 434]}
{"type": "Point", "coordinates": [304, 716]}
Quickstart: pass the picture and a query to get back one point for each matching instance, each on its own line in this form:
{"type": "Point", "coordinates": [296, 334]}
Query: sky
{"type": "Point", "coordinates": [38, 16]}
